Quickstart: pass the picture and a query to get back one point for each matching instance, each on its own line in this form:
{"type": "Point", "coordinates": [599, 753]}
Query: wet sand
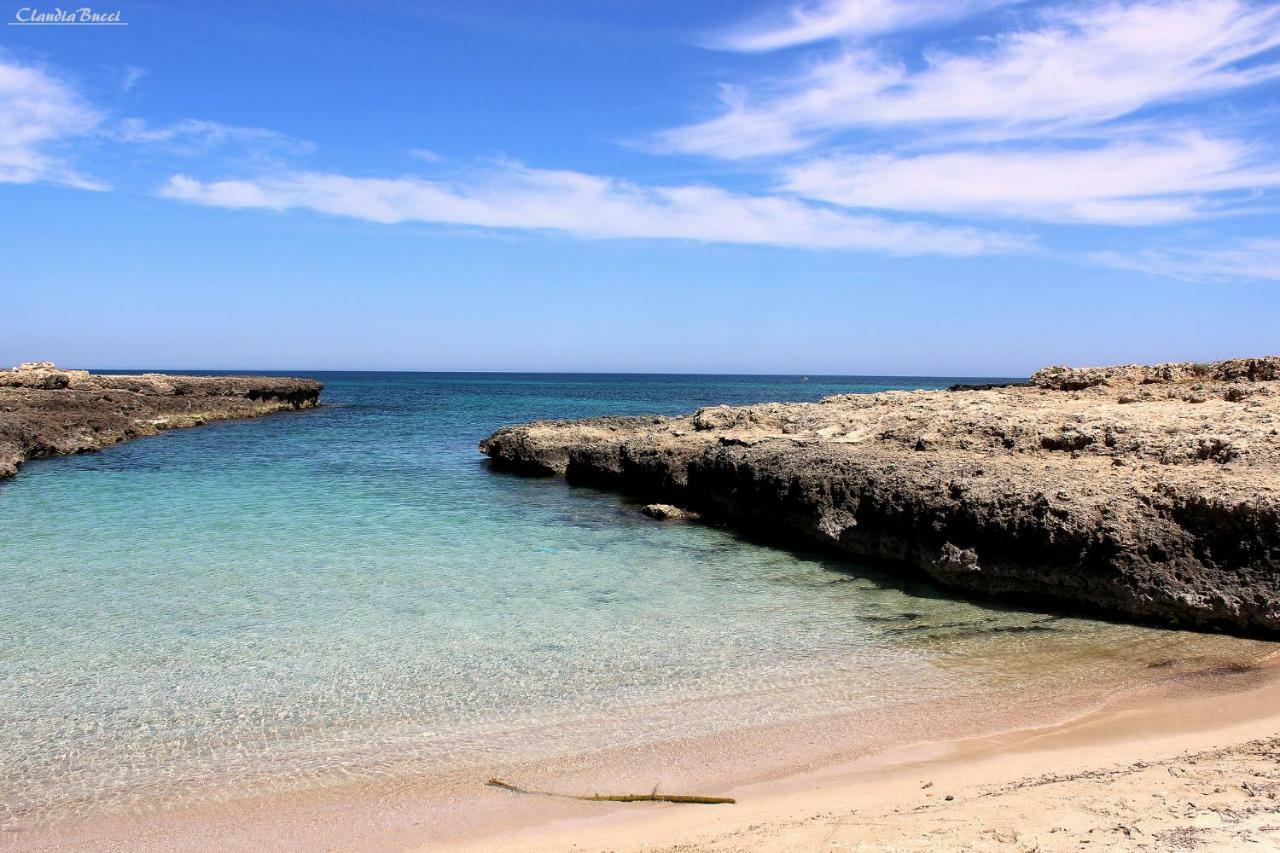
{"type": "Point", "coordinates": [1151, 765]}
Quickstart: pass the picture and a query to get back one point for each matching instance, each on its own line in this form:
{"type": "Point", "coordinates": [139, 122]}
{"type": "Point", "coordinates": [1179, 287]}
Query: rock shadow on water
{"type": "Point", "coordinates": [603, 509]}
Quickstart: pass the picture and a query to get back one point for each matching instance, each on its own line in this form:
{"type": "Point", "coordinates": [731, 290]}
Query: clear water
{"type": "Point", "coordinates": [349, 594]}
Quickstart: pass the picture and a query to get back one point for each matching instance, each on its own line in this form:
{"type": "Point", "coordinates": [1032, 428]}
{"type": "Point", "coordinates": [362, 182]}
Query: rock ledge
{"type": "Point", "coordinates": [1151, 492]}
{"type": "Point", "coordinates": [45, 411]}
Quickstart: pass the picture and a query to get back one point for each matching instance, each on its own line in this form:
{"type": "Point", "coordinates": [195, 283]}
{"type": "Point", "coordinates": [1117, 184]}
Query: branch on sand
{"type": "Point", "coordinates": [653, 797]}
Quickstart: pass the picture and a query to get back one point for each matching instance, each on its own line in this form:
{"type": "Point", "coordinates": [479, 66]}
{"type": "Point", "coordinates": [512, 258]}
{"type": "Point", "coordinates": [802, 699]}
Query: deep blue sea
{"type": "Point", "coordinates": [348, 593]}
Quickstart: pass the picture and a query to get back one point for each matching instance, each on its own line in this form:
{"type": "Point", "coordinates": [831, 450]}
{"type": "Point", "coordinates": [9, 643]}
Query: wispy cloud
{"type": "Point", "coordinates": [43, 118]}
{"type": "Point", "coordinates": [132, 75]}
{"type": "Point", "coordinates": [513, 196]}
{"type": "Point", "coordinates": [1124, 183]}
{"type": "Point", "coordinates": [1244, 260]}
{"type": "Point", "coordinates": [1079, 66]}
{"type": "Point", "coordinates": [39, 114]}
{"type": "Point", "coordinates": [196, 136]}
{"type": "Point", "coordinates": [845, 19]}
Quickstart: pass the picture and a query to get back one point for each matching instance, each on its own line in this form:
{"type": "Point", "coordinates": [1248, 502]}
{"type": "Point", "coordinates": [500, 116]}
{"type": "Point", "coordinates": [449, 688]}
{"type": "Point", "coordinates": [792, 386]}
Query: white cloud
{"type": "Point", "coordinates": [1245, 260]}
{"type": "Point", "coordinates": [1125, 183]}
{"type": "Point", "coordinates": [195, 136]}
{"type": "Point", "coordinates": [847, 19]}
{"type": "Point", "coordinates": [42, 117]}
{"type": "Point", "coordinates": [1082, 65]}
{"type": "Point", "coordinates": [425, 155]}
{"type": "Point", "coordinates": [38, 115]}
{"type": "Point", "coordinates": [513, 196]}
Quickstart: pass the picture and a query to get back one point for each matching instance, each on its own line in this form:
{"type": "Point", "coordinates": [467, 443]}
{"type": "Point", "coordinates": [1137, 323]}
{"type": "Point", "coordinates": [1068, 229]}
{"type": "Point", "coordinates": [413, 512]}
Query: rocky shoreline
{"type": "Point", "coordinates": [46, 411]}
{"type": "Point", "coordinates": [1148, 492]}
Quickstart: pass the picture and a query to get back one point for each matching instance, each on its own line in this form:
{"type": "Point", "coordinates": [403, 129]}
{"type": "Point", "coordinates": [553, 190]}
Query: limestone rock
{"type": "Point", "coordinates": [1105, 488]}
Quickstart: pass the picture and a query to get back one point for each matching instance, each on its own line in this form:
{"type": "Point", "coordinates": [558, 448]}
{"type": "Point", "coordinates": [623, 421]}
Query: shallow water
{"type": "Point", "coordinates": [348, 594]}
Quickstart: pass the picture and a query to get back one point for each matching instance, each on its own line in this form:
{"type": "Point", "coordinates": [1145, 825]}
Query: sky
{"type": "Point", "coordinates": [933, 187]}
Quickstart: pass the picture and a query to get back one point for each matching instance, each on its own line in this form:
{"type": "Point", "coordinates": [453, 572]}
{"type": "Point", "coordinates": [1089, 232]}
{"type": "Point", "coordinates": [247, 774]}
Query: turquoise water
{"type": "Point", "coordinates": [349, 594]}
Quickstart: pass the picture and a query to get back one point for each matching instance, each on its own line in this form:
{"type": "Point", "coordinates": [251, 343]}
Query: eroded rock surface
{"type": "Point", "coordinates": [45, 411]}
{"type": "Point", "coordinates": [1147, 491]}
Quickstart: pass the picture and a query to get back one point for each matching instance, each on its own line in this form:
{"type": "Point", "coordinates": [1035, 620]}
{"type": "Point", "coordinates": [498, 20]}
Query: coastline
{"type": "Point", "coordinates": [988, 763]}
{"type": "Point", "coordinates": [789, 777]}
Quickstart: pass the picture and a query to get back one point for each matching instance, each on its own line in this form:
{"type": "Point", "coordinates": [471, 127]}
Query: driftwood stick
{"type": "Point", "coordinates": [654, 797]}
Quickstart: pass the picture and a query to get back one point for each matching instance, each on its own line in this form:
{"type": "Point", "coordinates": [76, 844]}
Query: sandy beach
{"type": "Point", "coordinates": [1191, 761]}
{"type": "Point", "coordinates": [1192, 765]}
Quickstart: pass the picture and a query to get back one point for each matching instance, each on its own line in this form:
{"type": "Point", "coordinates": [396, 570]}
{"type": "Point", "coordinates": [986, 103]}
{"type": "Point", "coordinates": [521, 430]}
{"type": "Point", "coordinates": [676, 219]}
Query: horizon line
{"type": "Point", "coordinates": [172, 370]}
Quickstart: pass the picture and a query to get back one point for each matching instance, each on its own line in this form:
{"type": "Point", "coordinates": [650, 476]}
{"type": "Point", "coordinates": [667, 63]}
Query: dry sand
{"type": "Point", "coordinates": [1193, 765]}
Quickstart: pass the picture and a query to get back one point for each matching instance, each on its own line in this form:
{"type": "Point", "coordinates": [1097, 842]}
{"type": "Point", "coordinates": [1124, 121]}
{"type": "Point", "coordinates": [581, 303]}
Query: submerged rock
{"type": "Point", "coordinates": [665, 512]}
{"type": "Point", "coordinates": [1147, 491]}
{"type": "Point", "coordinates": [45, 411]}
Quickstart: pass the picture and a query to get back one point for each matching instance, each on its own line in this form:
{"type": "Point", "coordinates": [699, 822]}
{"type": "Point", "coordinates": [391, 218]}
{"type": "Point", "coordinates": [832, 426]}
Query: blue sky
{"type": "Point", "coordinates": [956, 187]}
